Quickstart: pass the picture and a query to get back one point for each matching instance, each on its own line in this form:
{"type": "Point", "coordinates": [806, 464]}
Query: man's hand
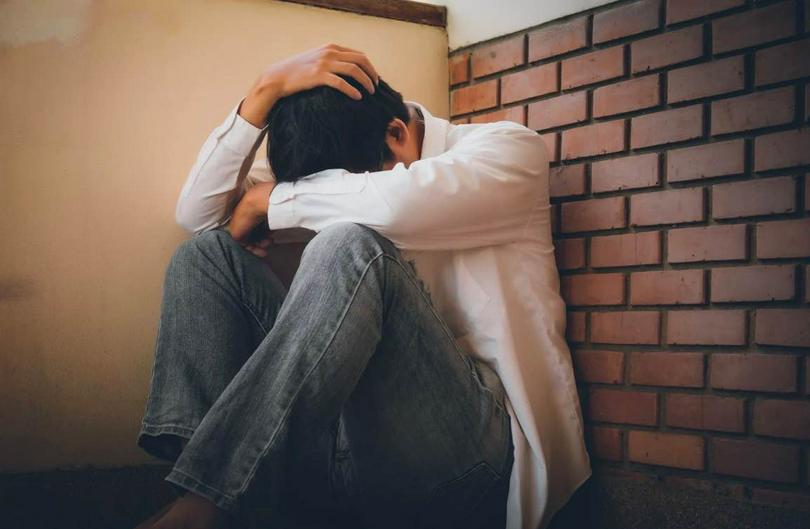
{"type": "Point", "coordinates": [318, 67]}
{"type": "Point", "coordinates": [250, 212]}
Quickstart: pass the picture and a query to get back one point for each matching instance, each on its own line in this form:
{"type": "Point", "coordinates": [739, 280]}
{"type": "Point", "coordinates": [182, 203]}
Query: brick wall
{"type": "Point", "coordinates": [680, 145]}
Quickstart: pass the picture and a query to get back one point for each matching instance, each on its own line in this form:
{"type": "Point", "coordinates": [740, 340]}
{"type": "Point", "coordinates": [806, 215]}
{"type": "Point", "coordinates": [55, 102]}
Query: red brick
{"type": "Point", "coordinates": [680, 10]}
{"type": "Point", "coordinates": [575, 326]}
{"type": "Point", "coordinates": [753, 27]}
{"type": "Point", "coordinates": [785, 500]}
{"type": "Point", "coordinates": [784, 238]}
{"type": "Point", "coordinates": [593, 289]}
{"type": "Point", "coordinates": [706, 79]}
{"type": "Point", "coordinates": [667, 287]}
{"type": "Point", "coordinates": [782, 149]}
{"type": "Point", "coordinates": [599, 366]}
{"type": "Point", "coordinates": [625, 96]}
{"type": "Point", "coordinates": [628, 407]}
{"type": "Point", "coordinates": [706, 161]}
{"type": "Point", "coordinates": [666, 49]}
{"type": "Point", "coordinates": [754, 197]}
{"type": "Point", "coordinates": [628, 19]}
{"type": "Point", "coordinates": [557, 39]}
{"type": "Point", "coordinates": [533, 82]}
{"type": "Point", "coordinates": [753, 283]}
{"type": "Point", "coordinates": [567, 180]}
{"type": "Point", "coordinates": [557, 111]}
{"type": "Point", "coordinates": [497, 57]}
{"type": "Point", "coordinates": [630, 172]}
{"type": "Point", "coordinates": [591, 140]}
{"type": "Point", "coordinates": [570, 253]}
{"type": "Point", "coordinates": [712, 243]}
{"type": "Point", "coordinates": [606, 443]}
{"type": "Point", "coordinates": [706, 327]}
{"type": "Point", "coordinates": [753, 372]}
{"type": "Point", "coordinates": [667, 126]}
{"type": "Point", "coordinates": [752, 111]}
{"type": "Point", "coordinates": [790, 327]}
{"type": "Point", "coordinates": [667, 369]}
{"type": "Point", "coordinates": [551, 144]}
{"type": "Point", "coordinates": [783, 62]}
{"type": "Point", "coordinates": [516, 114]}
{"type": "Point", "coordinates": [705, 412]}
{"type": "Point", "coordinates": [593, 67]}
{"type": "Point", "coordinates": [476, 97]}
{"type": "Point", "coordinates": [459, 68]}
{"type": "Point", "coordinates": [667, 207]}
{"type": "Point", "coordinates": [758, 460]}
{"type": "Point", "coordinates": [666, 449]}
{"type": "Point", "coordinates": [595, 214]}
{"type": "Point", "coordinates": [626, 250]}
{"type": "Point", "coordinates": [626, 327]}
{"type": "Point", "coordinates": [782, 418]}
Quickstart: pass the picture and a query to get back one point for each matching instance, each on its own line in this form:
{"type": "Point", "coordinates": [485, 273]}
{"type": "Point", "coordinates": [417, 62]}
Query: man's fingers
{"type": "Point", "coordinates": [341, 84]}
{"type": "Point", "coordinates": [360, 60]}
{"type": "Point", "coordinates": [351, 69]}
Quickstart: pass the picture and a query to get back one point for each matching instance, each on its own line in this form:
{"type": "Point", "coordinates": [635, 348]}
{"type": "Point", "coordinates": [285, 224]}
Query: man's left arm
{"type": "Point", "coordinates": [479, 193]}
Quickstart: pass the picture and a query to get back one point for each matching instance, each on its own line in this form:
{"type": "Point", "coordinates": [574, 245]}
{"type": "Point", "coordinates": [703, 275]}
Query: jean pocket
{"type": "Point", "coordinates": [451, 502]}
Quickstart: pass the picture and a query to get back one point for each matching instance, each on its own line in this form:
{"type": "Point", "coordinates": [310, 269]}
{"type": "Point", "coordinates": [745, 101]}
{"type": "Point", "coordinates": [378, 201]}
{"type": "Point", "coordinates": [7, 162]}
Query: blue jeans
{"type": "Point", "coordinates": [345, 395]}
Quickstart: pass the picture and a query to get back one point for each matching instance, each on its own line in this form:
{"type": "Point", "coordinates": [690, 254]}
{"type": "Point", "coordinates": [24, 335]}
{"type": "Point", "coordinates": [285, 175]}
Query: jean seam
{"type": "Point", "coordinates": [447, 332]}
{"type": "Point", "coordinates": [312, 369]}
{"type": "Point", "coordinates": [177, 429]}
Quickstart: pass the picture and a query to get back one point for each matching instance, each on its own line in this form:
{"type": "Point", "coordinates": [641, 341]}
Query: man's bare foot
{"type": "Point", "coordinates": [189, 512]}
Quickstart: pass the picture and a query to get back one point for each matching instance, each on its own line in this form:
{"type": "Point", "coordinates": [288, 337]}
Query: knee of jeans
{"type": "Point", "coordinates": [200, 244]}
{"type": "Point", "coordinates": [346, 236]}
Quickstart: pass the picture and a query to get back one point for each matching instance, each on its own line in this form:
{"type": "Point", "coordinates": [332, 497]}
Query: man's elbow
{"type": "Point", "coordinates": [185, 220]}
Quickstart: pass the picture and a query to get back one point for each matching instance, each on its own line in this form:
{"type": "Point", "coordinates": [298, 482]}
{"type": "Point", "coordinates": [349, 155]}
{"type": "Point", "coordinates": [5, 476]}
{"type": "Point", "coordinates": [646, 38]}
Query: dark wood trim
{"type": "Point", "coordinates": [416, 12]}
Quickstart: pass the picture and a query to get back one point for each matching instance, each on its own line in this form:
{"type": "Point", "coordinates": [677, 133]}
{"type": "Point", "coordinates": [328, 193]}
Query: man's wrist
{"type": "Point", "coordinates": [259, 100]}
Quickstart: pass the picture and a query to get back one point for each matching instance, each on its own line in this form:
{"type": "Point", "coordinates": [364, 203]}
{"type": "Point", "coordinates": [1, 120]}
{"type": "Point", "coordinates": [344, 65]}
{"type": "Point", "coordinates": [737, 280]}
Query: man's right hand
{"type": "Point", "coordinates": [318, 67]}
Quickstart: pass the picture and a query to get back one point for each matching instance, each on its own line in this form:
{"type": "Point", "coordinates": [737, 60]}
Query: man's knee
{"type": "Point", "coordinates": [208, 244]}
{"type": "Point", "coordinates": [346, 237]}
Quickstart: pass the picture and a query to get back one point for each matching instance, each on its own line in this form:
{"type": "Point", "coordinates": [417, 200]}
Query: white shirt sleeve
{"type": "Point", "coordinates": [480, 192]}
{"type": "Point", "coordinates": [203, 199]}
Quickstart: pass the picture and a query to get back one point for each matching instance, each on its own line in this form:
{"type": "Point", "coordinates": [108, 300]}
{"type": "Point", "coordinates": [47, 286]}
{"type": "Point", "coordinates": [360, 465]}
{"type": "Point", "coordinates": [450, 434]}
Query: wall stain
{"type": "Point", "coordinates": [16, 289]}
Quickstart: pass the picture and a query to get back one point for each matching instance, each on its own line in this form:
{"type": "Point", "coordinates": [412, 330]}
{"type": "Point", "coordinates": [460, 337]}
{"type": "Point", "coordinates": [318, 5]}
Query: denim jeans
{"type": "Point", "coordinates": [345, 394]}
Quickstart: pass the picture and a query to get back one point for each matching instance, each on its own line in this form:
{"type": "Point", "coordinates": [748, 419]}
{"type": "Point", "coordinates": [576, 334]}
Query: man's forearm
{"type": "Point", "coordinates": [259, 100]}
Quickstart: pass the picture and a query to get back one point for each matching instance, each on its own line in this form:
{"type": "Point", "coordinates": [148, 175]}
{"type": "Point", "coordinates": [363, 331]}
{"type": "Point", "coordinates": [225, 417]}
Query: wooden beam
{"type": "Point", "coordinates": [416, 12]}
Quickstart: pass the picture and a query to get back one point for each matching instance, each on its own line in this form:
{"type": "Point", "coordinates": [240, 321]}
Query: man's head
{"type": "Point", "coordinates": [322, 128]}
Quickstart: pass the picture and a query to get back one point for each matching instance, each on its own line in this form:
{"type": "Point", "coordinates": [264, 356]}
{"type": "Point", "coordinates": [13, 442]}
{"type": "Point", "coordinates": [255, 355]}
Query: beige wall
{"type": "Point", "coordinates": [103, 108]}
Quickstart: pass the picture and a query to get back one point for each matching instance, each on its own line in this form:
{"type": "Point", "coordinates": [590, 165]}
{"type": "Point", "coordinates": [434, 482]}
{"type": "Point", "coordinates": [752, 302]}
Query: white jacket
{"type": "Point", "coordinates": [473, 216]}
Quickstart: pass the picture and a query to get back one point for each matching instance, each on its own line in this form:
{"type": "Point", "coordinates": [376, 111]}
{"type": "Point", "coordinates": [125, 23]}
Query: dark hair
{"type": "Point", "coordinates": [323, 128]}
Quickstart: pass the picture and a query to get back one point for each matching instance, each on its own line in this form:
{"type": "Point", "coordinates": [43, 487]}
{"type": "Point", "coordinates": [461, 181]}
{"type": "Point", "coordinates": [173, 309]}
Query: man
{"type": "Point", "coordinates": [415, 374]}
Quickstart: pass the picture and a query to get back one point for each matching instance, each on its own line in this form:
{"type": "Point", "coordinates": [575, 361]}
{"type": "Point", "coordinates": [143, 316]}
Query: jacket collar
{"type": "Point", "coordinates": [435, 141]}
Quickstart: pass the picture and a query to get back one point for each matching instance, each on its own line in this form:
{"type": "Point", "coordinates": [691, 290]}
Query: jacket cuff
{"type": "Point", "coordinates": [281, 209]}
{"type": "Point", "coordinates": [238, 134]}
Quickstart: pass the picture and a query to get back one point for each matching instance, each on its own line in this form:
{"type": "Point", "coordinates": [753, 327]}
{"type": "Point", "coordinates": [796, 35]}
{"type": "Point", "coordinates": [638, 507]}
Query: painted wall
{"type": "Point", "coordinates": [104, 106]}
{"type": "Point", "coordinates": [471, 21]}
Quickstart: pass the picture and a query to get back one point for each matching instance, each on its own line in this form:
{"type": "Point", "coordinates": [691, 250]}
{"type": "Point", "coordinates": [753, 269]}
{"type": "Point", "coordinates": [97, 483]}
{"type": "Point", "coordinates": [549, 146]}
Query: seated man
{"type": "Point", "coordinates": [415, 372]}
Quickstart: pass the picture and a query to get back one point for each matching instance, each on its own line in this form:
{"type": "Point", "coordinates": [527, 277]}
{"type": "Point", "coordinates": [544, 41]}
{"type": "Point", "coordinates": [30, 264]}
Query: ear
{"type": "Point", "coordinates": [397, 134]}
